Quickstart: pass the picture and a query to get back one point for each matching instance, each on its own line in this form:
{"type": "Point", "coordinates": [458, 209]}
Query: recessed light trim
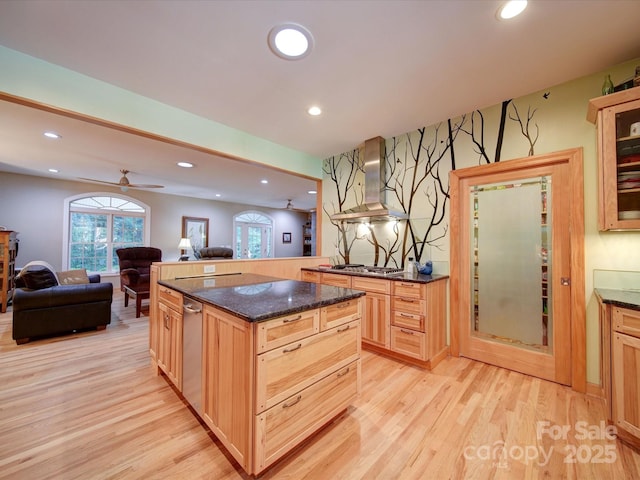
{"type": "Point", "coordinates": [312, 192]}
{"type": "Point", "coordinates": [265, 181]}
{"type": "Point", "coordinates": [314, 111]}
{"type": "Point", "coordinates": [52, 135]}
{"type": "Point", "coordinates": [511, 9]}
{"type": "Point", "coordinates": [53, 170]}
{"type": "Point", "coordinates": [185, 164]}
{"type": "Point", "coordinates": [290, 41]}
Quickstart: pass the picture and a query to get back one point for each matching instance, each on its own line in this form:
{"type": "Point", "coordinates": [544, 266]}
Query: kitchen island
{"type": "Point", "coordinates": [278, 358]}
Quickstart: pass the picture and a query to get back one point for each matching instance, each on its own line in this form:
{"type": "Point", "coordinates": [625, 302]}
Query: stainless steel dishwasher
{"type": "Point", "coordinates": [192, 353]}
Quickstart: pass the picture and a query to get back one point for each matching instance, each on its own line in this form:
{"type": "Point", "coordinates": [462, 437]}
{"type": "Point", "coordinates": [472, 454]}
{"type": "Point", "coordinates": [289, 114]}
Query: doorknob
{"type": "Point", "coordinates": [565, 281]}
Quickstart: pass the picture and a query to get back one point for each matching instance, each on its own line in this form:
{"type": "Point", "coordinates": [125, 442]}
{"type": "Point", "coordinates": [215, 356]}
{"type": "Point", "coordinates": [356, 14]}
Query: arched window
{"type": "Point", "coordinates": [253, 235]}
{"type": "Point", "coordinates": [96, 225]}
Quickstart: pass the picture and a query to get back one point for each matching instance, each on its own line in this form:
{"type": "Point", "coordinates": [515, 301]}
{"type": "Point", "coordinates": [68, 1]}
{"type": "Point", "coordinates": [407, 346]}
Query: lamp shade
{"type": "Point", "coordinates": [184, 244]}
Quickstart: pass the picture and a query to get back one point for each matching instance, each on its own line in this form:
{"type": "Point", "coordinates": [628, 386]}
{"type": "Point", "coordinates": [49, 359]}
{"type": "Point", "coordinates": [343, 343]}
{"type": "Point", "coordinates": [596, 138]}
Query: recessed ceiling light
{"type": "Point", "coordinates": [312, 192]}
{"type": "Point", "coordinates": [290, 41]}
{"type": "Point", "coordinates": [185, 164]}
{"type": "Point", "coordinates": [218, 195]}
{"type": "Point", "coordinates": [511, 9]}
{"type": "Point", "coordinates": [51, 135]}
{"type": "Point", "coordinates": [314, 111]}
{"type": "Point", "coordinates": [53, 170]}
{"type": "Point", "coordinates": [264, 181]}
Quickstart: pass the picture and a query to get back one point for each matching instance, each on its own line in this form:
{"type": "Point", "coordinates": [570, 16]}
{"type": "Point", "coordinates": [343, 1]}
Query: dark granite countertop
{"type": "Point", "coordinates": [257, 298]}
{"type": "Point", "coordinates": [620, 298]}
{"type": "Point", "coordinates": [401, 276]}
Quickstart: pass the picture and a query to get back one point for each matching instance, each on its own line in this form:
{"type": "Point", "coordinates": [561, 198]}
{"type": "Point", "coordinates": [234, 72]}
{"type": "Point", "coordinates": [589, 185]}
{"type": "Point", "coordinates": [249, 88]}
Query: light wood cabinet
{"type": "Point", "coordinates": [267, 386]}
{"type": "Point", "coordinates": [618, 159]}
{"type": "Point", "coordinates": [377, 310]}
{"type": "Point", "coordinates": [620, 375]}
{"type": "Point", "coordinates": [309, 276]}
{"type": "Point", "coordinates": [336, 279]}
{"type": "Point", "coordinates": [8, 252]}
{"type": "Point", "coordinates": [169, 354]}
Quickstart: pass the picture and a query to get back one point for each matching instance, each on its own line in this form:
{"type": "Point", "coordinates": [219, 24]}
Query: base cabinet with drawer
{"type": "Point", "coordinates": [620, 367]}
{"type": "Point", "coordinates": [267, 386]}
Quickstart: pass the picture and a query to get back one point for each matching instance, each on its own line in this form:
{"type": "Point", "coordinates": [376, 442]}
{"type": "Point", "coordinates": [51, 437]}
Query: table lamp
{"type": "Point", "coordinates": [185, 244]}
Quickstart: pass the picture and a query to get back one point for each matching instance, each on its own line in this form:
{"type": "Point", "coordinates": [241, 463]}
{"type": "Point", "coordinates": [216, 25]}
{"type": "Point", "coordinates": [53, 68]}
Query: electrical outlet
{"type": "Point", "coordinates": [209, 269]}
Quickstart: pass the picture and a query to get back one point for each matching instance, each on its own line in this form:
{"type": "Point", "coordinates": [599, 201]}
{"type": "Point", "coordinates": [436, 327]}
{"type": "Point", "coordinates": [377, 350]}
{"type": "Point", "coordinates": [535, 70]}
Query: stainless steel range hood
{"type": "Point", "coordinates": [374, 207]}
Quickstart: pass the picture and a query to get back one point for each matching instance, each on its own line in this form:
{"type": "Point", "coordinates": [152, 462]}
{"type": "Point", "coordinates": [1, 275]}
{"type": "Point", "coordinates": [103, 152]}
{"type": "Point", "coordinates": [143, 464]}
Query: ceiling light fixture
{"type": "Point", "coordinates": [314, 111]}
{"type": "Point", "coordinates": [290, 41]}
{"type": "Point", "coordinates": [511, 9]}
{"type": "Point", "coordinates": [312, 192]}
{"type": "Point", "coordinates": [52, 135]}
{"type": "Point", "coordinates": [53, 170]}
{"type": "Point", "coordinates": [185, 164]}
{"type": "Point", "coordinates": [264, 181]}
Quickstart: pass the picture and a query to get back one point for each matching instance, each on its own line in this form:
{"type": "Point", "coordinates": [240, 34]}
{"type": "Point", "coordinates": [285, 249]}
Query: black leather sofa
{"type": "Point", "coordinates": [58, 309]}
{"type": "Point", "coordinates": [215, 253]}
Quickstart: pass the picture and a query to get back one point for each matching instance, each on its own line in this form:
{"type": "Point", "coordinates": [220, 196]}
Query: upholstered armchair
{"type": "Point", "coordinates": [135, 269]}
{"type": "Point", "coordinates": [215, 253]}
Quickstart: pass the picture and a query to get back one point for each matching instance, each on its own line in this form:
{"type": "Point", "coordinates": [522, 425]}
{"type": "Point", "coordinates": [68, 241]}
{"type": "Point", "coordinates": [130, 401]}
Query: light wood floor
{"type": "Point", "coordinates": [88, 406]}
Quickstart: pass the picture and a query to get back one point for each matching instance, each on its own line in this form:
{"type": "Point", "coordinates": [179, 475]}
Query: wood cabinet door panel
{"type": "Point", "coordinates": [308, 276]}
{"type": "Point", "coordinates": [286, 424]}
{"type": "Point", "coordinates": [284, 371]}
{"type": "Point", "coordinates": [409, 342]}
{"type": "Point", "coordinates": [626, 382]}
{"type": "Point", "coordinates": [408, 320]}
{"type": "Point", "coordinates": [409, 290]}
{"type": "Point", "coordinates": [336, 279]}
{"type": "Point", "coordinates": [340, 313]}
{"type": "Point", "coordinates": [408, 305]}
{"type": "Point", "coordinates": [626, 321]}
{"type": "Point", "coordinates": [375, 285]}
{"type": "Point", "coordinates": [170, 297]}
{"type": "Point", "coordinates": [376, 319]}
{"type": "Point", "coordinates": [280, 331]}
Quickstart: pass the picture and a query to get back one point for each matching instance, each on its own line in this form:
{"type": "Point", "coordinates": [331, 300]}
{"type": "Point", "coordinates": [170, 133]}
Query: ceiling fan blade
{"type": "Point", "coordinates": [143, 185]}
{"type": "Point", "coordinates": [99, 181]}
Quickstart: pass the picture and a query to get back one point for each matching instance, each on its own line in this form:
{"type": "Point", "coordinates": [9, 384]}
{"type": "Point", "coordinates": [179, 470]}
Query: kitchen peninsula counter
{"type": "Point", "coordinates": [279, 358]}
{"type": "Point", "coordinates": [398, 277]}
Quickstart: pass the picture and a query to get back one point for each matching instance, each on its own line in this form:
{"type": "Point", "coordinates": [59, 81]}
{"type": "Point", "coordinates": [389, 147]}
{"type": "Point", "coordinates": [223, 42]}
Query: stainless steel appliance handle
{"type": "Point", "coordinates": [189, 308]}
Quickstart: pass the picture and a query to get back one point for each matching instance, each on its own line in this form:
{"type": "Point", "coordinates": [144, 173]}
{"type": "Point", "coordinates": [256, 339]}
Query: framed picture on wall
{"type": "Point", "coordinates": [286, 237]}
{"type": "Point", "coordinates": [196, 229]}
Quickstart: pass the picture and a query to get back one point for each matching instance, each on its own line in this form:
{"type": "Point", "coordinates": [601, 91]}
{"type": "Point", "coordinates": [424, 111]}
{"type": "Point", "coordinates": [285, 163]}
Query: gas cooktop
{"type": "Point", "coordinates": [359, 268]}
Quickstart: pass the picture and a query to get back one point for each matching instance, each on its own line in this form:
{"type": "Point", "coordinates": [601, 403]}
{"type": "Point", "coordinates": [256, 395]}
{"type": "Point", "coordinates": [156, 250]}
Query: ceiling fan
{"type": "Point", "coordinates": [124, 182]}
{"type": "Point", "coordinates": [291, 208]}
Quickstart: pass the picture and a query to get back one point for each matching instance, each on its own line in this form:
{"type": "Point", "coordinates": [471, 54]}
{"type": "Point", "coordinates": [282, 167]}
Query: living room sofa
{"type": "Point", "coordinates": [52, 309]}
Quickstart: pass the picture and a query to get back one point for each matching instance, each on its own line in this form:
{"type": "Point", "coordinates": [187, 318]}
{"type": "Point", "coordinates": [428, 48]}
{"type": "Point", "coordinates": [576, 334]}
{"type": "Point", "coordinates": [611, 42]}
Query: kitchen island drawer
{"type": "Point", "coordinates": [308, 276]}
{"type": "Point", "coordinates": [409, 342]}
{"type": "Point", "coordinates": [286, 424]}
{"type": "Point", "coordinates": [408, 320]}
{"type": "Point", "coordinates": [170, 297]}
{"type": "Point", "coordinates": [337, 314]}
{"type": "Point", "coordinates": [408, 305]}
{"type": "Point", "coordinates": [286, 370]}
{"type": "Point", "coordinates": [280, 331]}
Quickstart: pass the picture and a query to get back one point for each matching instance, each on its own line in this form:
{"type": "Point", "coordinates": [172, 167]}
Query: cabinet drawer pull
{"type": "Point", "coordinates": [344, 305]}
{"type": "Point", "coordinates": [289, 320]}
{"type": "Point", "coordinates": [287, 405]}
{"type": "Point", "coordinates": [342, 374]}
{"type": "Point", "coordinates": [407, 300]}
{"type": "Point", "coordinates": [408, 285]}
{"type": "Point", "coordinates": [166, 322]}
{"type": "Point", "coordinates": [340, 330]}
{"type": "Point", "coordinates": [408, 332]}
{"type": "Point", "coordinates": [405, 315]}
{"type": "Point", "coordinates": [292, 349]}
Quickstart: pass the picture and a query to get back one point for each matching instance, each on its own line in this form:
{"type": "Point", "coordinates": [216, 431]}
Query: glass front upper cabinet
{"type": "Point", "coordinates": [617, 117]}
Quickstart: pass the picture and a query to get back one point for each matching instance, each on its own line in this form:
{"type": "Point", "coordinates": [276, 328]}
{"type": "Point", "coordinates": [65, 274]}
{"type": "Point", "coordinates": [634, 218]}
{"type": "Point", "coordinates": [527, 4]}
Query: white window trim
{"type": "Point", "coordinates": [65, 221]}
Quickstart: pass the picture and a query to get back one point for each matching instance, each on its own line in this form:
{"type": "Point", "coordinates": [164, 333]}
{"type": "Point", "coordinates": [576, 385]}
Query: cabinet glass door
{"type": "Point", "coordinates": [627, 156]}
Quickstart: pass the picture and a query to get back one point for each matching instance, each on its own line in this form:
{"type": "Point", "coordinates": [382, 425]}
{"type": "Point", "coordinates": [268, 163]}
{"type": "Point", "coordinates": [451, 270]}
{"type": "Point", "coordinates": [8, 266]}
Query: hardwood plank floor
{"type": "Point", "coordinates": [89, 406]}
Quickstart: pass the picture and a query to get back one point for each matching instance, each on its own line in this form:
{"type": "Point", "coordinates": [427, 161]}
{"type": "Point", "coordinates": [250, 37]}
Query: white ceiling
{"type": "Point", "coordinates": [378, 68]}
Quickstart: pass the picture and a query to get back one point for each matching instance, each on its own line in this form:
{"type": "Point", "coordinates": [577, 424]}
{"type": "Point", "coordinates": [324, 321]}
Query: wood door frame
{"type": "Point", "coordinates": [459, 258]}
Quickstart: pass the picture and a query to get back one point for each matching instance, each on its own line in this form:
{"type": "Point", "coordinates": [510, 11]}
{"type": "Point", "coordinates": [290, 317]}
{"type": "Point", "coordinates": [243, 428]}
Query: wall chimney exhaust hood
{"type": "Point", "coordinates": [374, 208]}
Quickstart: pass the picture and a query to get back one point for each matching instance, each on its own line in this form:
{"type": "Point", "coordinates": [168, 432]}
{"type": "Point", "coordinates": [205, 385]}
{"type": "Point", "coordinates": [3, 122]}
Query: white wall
{"type": "Point", "coordinates": [34, 206]}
